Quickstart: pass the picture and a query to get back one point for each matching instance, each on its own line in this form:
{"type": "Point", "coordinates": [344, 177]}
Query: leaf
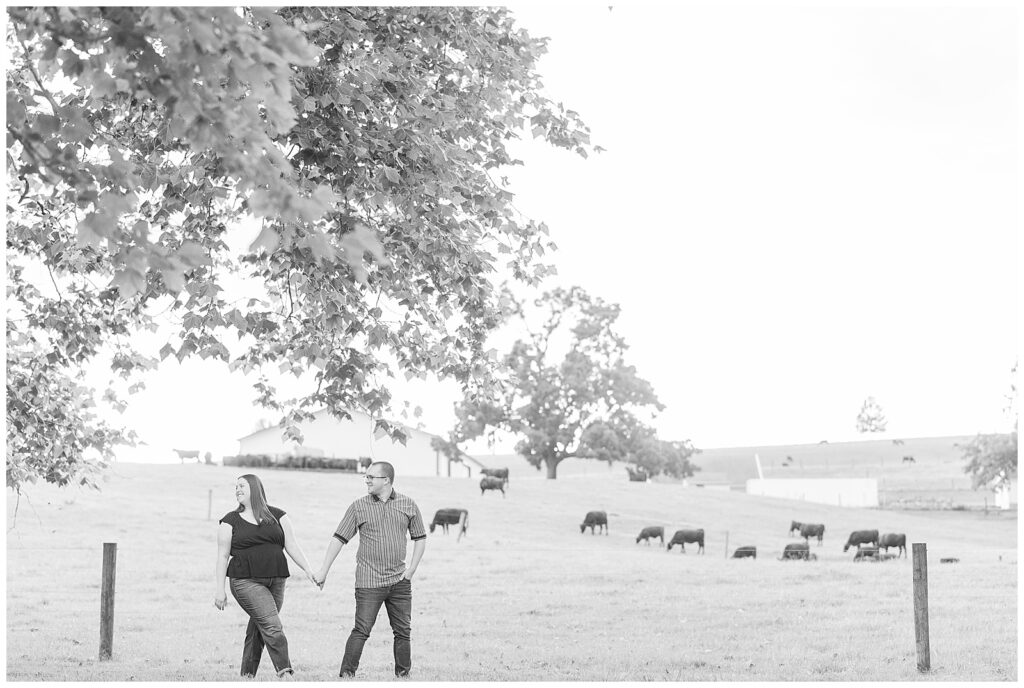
{"type": "Point", "coordinates": [192, 254]}
{"type": "Point", "coordinates": [267, 239]}
{"type": "Point", "coordinates": [361, 240]}
{"type": "Point", "coordinates": [319, 245]}
{"type": "Point", "coordinates": [174, 279]}
{"type": "Point", "coordinates": [392, 175]}
{"type": "Point", "coordinates": [128, 282]}
{"type": "Point", "coordinates": [92, 230]}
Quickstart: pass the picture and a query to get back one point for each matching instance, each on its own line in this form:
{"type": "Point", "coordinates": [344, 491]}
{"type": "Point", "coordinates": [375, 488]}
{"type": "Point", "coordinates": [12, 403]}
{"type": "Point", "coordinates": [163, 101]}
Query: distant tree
{"type": "Point", "coordinates": [263, 424]}
{"type": "Point", "coordinates": [871, 418]}
{"type": "Point", "coordinates": [364, 139]}
{"type": "Point", "coordinates": [992, 458]}
{"type": "Point", "coordinates": [571, 392]}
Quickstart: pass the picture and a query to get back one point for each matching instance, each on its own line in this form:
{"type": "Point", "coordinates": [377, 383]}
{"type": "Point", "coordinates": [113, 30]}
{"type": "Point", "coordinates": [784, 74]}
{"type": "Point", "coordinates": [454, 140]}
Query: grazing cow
{"type": "Point", "coordinates": [797, 550]}
{"type": "Point", "coordinates": [637, 475]}
{"type": "Point", "coordinates": [683, 536]}
{"type": "Point", "coordinates": [795, 526]}
{"type": "Point", "coordinates": [809, 530]}
{"type": "Point", "coordinates": [187, 454]}
{"type": "Point", "coordinates": [898, 540]}
{"type": "Point", "coordinates": [595, 518]}
{"type": "Point", "coordinates": [865, 553]}
{"type": "Point", "coordinates": [908, 459]}
{"type": "Point", "coordinates": [948, 560]}
{"type": "Point", "coordinates": [651, 532]}
{"type": "Point", "coordinates": [451, 517]}
{"type": "Point", "coordinates": [496, 473]}
{"type": "Point", "coordinates": [746, 552]}
{"type": "Point", "coordinates": [862, 537]}
{"type": "Point", "coordinates": [489, 483]}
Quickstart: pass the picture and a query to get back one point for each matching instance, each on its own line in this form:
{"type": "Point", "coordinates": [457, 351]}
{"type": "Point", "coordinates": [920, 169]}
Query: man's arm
{"type": "Point", "coordinates": [345, 531]}
{"type": "Point", "coordinates": [418, 547]}
{"type": "Point", "coordinates": [333, 548]}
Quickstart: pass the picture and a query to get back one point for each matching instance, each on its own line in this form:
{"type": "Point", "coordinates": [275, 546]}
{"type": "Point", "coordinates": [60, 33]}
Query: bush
{"type": "Point", "coordinates": [297, 462]}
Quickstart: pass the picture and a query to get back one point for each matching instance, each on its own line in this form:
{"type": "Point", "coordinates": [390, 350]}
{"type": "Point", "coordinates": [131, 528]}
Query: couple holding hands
{"type": "Point", "coordinates": [252, 540]}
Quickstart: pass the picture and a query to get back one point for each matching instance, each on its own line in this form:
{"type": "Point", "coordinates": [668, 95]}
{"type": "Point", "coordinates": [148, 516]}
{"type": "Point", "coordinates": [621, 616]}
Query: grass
{"type": "Point", "coordinates": [523, 597]}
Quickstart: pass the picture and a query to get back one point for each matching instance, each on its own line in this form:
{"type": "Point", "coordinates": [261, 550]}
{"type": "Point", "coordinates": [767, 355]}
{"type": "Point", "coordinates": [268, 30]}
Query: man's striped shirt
{"type": "Point", "coordinates": [382, 526]}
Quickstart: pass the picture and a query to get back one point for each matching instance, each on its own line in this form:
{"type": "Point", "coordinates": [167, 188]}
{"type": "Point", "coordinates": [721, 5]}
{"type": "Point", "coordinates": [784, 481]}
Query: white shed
{"type": "Point", "coordinates": [859, 492]}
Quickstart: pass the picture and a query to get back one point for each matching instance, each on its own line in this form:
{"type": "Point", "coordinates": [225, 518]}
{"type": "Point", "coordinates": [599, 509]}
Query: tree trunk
{"type": "Point", "coordinates": [552, 466]}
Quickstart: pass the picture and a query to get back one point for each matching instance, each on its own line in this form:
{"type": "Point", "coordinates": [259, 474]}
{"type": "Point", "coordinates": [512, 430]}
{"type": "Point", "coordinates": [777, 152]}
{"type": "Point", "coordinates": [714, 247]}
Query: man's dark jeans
{"type": "Point", "coordinates": [397, 599]}
{"type": "Point", "coordinates": [262, 598]}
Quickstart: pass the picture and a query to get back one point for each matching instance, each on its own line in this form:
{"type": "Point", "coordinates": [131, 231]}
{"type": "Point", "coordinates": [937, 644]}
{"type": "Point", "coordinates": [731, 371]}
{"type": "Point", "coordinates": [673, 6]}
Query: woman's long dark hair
{"type": "Point", "coordinates": [258, 497]}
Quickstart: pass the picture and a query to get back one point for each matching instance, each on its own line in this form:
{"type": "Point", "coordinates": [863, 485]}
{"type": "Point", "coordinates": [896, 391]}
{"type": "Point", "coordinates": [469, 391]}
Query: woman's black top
{"type": "Point", "coordinates": [256, 551]}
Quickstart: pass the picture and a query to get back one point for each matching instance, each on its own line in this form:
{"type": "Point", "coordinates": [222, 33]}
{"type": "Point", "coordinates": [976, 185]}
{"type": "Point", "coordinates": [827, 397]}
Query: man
{"type": "Point", "coordinates": [382, 518]}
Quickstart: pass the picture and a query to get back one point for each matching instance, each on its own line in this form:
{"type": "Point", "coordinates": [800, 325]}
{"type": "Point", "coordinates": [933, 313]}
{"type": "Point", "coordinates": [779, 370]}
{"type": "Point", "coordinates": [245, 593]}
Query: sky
{"type": "Point", "coordinates": [797, 208]}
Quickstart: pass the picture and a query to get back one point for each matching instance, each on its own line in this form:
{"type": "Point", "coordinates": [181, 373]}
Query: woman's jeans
{"type": "Point", "coordinates": [397, 599]}
{"type": "Point", "coordinates": [262, 598]}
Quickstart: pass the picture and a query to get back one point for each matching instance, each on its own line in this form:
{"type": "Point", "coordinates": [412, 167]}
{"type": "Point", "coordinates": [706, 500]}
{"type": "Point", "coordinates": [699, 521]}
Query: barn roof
{"type": "Point", "coordinates": [326, 412]}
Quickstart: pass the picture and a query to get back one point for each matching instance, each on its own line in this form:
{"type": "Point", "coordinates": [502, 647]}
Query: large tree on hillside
{"type": "Point", "coordinates": [571, 392]}
{"type": "Point", "coordinates": [992, 458]}
{"type": "Point", "coordinates": [367, 141]}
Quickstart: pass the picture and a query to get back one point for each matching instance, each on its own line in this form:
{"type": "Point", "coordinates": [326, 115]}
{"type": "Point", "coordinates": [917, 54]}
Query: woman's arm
{"type": "Point", "coordinates": [291, 546]}
{"type": "Point", "coordinates": [220, 595]}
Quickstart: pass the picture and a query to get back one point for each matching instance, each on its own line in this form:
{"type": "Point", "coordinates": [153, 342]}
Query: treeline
{"type": "Point", "coordinates": [323, 463]}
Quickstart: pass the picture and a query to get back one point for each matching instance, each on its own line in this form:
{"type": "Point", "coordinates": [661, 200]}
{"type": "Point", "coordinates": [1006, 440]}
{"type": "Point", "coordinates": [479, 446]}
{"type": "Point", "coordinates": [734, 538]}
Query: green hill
{"type": "Point", "coordinates": [935, 479]}
{"type": "Point", "coordinates": [524, 596]}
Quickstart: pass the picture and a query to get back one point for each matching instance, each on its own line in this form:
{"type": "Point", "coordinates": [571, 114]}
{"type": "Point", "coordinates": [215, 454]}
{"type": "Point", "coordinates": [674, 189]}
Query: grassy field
{"type": "Point", "coordinates": [524, 597]}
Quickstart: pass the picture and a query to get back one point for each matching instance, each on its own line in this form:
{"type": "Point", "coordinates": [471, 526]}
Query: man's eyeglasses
{"type": "Point", "coordinates": [375, 477]}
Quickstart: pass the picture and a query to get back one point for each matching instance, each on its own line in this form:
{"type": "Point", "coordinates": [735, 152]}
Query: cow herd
{"type": "Point", "coordinates": [869, 543]}
{"type": "Point", "coordinates": [794, 550]}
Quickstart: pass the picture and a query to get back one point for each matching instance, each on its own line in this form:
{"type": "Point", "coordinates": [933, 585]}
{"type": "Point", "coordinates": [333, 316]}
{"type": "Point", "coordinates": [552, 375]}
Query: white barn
{"type": "Point", "coordinates": [328, 436]}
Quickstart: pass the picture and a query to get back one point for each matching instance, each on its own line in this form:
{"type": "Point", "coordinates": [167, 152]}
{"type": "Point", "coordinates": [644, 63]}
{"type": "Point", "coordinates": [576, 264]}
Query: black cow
{"type": "Point", "coordinates": [862, 537]}
{"type": "Point", "coordinates": [683, 536]}
{"type": "Point", "coordinates": [908, 459]}
{"type": "Point", "coordinates": [651, 532]}
{"type": "Point", "coordinates": [865, 553]}
{"type": "Point", "coordinates": [451, 517]}
{"type": "Point", "coordinates": [894, 540]}
{"type": "Point", "coordinates": [746, 552]}
{"type": "Point", "coordinates": [809, 530]}
{"type": "Point", "coordinates": [797, 550]}
{"type": "Point", "coordinates": [595, 518]}
{"type": "Point", "coordinates": [496, 473]}
{"type": "Point", "coordinates": [794, 527]}
{"type": "Point", "coordinates": [489, 483]}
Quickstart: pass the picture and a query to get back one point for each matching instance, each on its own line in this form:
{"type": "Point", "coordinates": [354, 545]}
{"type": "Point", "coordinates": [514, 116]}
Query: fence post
{"type": "Point", "coordinates": [727, 544]}
{"type": "Point", "coordinates": [209, 505]}
{"type": "Point", "coordinates": [924, 661]}
{"type": "Point", "coordinates": [107, 600]}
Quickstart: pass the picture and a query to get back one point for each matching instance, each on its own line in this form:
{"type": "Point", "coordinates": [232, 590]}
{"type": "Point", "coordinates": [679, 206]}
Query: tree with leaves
{"type": "Point", "coordinates": [368, 144]}
{"type": "Point", "coordinates": [992, 458]}
{"type": "Point", "coordinates": [571, 392]}
{"type": "Point", "coordinates": [871, 418]}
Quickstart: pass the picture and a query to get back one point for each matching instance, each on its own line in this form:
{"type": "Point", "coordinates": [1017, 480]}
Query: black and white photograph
{"type": "Point", "coordinates": [566, 342]}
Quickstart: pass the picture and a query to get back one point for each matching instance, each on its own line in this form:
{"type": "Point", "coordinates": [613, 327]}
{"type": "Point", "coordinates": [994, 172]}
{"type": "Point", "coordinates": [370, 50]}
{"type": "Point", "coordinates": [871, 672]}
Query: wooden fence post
{"type": "Point", "coordinates": [727, 544]}
{"type": "Point", "coordinates": [924, 661]}
{"type": "Point", "coordinates": [209, 505]}
{"type": "Point", "coordinates": [107, 600]}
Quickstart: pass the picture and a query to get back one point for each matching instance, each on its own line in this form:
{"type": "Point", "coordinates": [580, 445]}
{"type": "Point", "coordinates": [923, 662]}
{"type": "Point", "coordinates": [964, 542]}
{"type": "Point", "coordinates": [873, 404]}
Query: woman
{"type": "Point", "coordinates": [255, 537]}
